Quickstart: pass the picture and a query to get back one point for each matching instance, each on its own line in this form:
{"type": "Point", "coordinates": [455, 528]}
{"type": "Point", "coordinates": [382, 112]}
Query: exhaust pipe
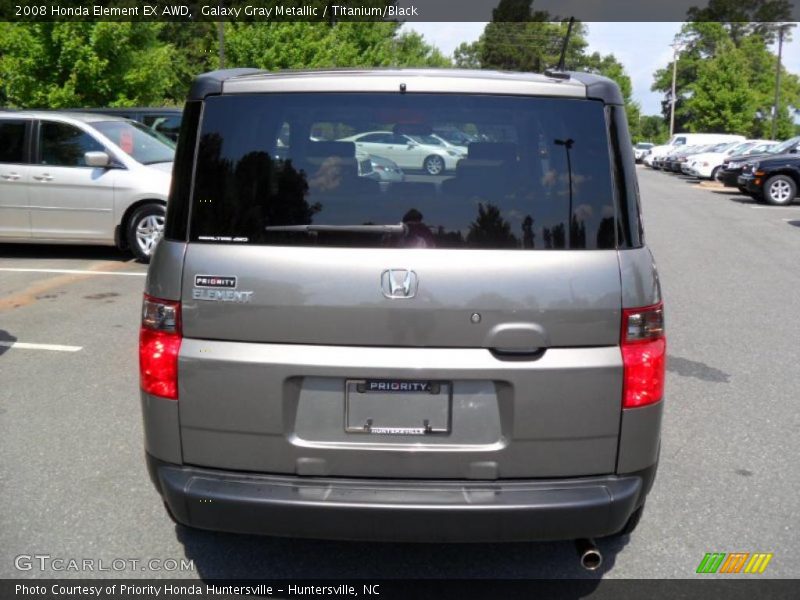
{"type": "Point", "coordinates": [589, 555]}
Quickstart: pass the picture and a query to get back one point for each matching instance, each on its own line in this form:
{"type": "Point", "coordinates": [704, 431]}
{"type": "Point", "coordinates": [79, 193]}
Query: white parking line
{"type": "Point", "coordinates": [72, 271]}
{"type": "Point", "coordinates": [26, 346]}
{"type": "Point", "coordinates": [776, 207]}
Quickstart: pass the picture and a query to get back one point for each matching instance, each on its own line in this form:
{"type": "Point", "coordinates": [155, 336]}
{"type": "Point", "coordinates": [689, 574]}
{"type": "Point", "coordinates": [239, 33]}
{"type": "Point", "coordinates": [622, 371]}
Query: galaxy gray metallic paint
{"type": "Point", "coordinates": [327, 296]}
{"type": "Point", "coordinates": [640, 438]}
{"type": "Point", "coordinates": [161, 428]}
{"type": "Point", "coordinates": [511, 418]}
{"type": "Point", "coordinates": [538, 445]}
{"type": "Point", "coordinates": [640, 284]}
{"type": "Point", "coordinates": [166, 266]}
{"type": "Point", "coordinates": [450, 81]}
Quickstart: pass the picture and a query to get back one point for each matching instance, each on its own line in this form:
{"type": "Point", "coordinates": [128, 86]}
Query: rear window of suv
{"type": "Point", "coordinates": [536, 174]}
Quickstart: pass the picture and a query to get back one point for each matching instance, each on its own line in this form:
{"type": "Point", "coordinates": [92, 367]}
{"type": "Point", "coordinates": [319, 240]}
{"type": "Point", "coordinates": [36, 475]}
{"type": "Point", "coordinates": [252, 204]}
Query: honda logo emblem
{"type": "Point", "coordinates": [399, 283]}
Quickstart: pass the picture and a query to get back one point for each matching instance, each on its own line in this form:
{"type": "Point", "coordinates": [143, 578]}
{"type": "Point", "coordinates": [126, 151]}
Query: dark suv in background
{"type": "Point", "coordinates": [732, 169]}
{"type": "Point", "coordinates": [476, 355]}
{"type": "Point", "coordinates": [775, 180]}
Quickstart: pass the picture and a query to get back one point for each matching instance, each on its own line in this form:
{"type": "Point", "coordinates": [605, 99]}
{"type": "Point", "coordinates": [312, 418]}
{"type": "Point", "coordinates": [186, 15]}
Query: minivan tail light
{"type": "Point", "coordinates": [644, 355]}
{"type": "Point", "coordinates": [159, 344]}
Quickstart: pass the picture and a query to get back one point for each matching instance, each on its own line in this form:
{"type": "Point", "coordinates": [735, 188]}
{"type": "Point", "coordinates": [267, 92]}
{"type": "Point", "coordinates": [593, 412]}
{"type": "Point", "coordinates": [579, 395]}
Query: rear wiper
{"type": "Point", "coordinates": [400, 228]}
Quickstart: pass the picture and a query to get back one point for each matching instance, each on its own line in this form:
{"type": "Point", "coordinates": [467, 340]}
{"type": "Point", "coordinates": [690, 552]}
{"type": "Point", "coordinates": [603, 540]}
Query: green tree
{"type": "Point", "coordinates": [348, 44]}
{"type": "Point", "coordinates": [197, 51]}
{"type": "Point", "coordinates": [749, 25]}
{"type": "Point", "coordinates": [721, 99]}
{"type": "Point", "coordinates": [54, 65]}
{"type": "Point", "coordinates": [653, 128]}
{"type": "Point", "coordinates": [522, 39]}
{"type": "Point", "coordinates": [468, 55]}
{"type": "Point", "coordinates": [73, 64]}
{"type": "Point", "coordinates": [743, 18]}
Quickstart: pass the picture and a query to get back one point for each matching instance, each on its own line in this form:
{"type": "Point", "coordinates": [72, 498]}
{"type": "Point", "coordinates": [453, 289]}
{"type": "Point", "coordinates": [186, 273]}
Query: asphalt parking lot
{"type": "Point", "coordinates": [72, 476]}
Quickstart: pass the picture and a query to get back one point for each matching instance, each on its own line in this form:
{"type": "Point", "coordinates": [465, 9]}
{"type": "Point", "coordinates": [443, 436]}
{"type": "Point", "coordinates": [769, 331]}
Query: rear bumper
{"type": "Point", "coordinates": [399, 510]}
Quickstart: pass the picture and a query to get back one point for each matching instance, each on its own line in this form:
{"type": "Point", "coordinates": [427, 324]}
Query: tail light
{"type": "Point", "coordinates": [159, 344]}
{"type": "Point", "coordinates": [644, 355]}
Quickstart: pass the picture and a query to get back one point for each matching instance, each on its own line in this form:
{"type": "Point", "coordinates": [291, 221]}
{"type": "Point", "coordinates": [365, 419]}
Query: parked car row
{"type": "Point", "coordinates": [766, 170]}
{"type": "Point", "coordinates": [708, 163]}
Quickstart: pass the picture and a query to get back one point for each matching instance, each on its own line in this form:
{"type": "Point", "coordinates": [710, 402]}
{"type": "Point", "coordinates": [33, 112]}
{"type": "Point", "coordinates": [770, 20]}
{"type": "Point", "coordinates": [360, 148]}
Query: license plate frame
{"type": "Point", "coordinates": [398, 407]}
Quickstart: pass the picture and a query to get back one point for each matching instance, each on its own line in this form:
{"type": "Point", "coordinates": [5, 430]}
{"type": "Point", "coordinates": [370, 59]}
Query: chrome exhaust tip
{"type": "Point", "coordinates": [590, 557]}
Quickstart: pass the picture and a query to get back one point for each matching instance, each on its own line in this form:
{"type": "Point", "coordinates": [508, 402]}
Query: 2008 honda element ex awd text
{"type": "Point", "coordinates": [475, 355]}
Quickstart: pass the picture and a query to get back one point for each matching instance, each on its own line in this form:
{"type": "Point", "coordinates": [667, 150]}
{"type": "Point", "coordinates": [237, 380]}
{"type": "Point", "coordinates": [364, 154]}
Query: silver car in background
{"type": "Point", "coordinates": [410, 151]}
{"type": "Point", "coordinates": [385, 171]}
{"type": "Point", "coordinates": [75, 178]}
{"type": "Point", "coordinates": [641, 150]}
{"type": "Point", "coordinates": [475, 355]}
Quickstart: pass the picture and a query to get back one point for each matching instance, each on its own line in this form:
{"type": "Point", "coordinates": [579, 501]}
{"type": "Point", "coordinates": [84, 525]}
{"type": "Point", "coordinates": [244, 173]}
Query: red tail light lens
{"type": "Point", "coordinates": [159, 344]}
{"type": "Point", "coordinates": [644, 355]}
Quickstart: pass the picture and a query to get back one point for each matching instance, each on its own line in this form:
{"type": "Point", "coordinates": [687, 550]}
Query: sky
{"type": "Point", "coordinates": [641, 47]}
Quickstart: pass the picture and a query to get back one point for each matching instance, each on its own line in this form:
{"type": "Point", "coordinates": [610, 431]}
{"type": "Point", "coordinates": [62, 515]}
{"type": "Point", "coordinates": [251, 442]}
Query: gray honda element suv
{"type": "Point", "coordinates": [476, 355]}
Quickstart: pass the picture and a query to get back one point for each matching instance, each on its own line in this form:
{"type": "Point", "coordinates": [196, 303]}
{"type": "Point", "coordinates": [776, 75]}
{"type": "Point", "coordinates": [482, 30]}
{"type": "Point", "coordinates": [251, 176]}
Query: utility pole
{"type": "Point", "coordinates": [675, 49]}
{"type": "Point", "coordinates": [781, 30]}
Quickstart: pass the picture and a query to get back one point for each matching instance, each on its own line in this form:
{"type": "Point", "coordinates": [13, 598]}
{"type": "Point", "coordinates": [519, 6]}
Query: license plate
{"type": "Point", "coordinates": [398, 407]}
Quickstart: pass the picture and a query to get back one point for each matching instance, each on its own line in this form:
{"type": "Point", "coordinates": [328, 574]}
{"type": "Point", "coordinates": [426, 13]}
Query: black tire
{"type": "Point", "coordinates": [633, 522]}
{"type": "Point", "coordinates": [434, 164]}
{"type": "Point", "coordinates": [743, 189]}
{"type": "Point", "coordinates": [141, 234]}
{"type": "Point", "coordinates": [715, 174]}
{"type": "Point", "coordinates": [780, 190]}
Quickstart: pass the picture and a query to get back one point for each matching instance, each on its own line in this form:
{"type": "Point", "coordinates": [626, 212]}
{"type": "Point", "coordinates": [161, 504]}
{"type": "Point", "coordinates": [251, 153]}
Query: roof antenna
{"type": "Point", "coordinates": [558, 72]}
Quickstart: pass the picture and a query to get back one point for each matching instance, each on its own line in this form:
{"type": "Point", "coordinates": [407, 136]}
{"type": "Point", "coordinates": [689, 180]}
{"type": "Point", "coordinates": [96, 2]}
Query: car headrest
{"type": "Point", "coordinates": [504, 151]}
{"type": "Point", "coordinates": [342, 149]}
{"type": "Point", "coordinates": [412, 129]}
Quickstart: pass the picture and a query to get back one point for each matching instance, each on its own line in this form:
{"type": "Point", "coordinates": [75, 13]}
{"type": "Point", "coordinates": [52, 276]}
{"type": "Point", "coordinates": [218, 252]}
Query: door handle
{"type": "Point", "coordinates": [43, 177]}
{"type": "Point", "coordinates": [10, 176]}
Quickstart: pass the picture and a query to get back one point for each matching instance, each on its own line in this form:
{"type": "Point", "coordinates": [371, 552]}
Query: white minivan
{"type": "Point", "coordinates": [690, 139]}
{"type": "Point", "coordinates": [75, 178]}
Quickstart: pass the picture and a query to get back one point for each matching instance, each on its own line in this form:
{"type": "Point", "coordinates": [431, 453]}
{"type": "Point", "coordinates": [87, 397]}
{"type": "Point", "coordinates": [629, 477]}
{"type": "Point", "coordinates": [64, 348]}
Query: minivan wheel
{"type": "Point", "coordinates": [780, 190]}
{"type": "Point", "coordinates": [433, 164]}
{"type": "Point", "coordinates": [145, 228]}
